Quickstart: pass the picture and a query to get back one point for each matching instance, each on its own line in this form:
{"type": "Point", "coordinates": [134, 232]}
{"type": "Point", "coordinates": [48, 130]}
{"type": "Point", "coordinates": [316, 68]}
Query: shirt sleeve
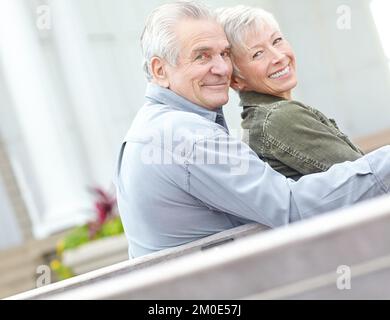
{"type": "Point", "coordinates": [227, 176]}
{"type": "Point", "coordinates": [296, 137]}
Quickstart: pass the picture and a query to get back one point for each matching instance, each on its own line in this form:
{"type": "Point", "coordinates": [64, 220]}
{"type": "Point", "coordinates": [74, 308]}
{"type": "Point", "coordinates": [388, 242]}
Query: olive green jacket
{"type": "Point", "coordinates": [293, 138]}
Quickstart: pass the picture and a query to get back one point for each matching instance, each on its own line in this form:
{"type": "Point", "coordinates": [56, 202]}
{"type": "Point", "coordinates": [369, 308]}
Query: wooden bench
{"type": "Point", "coordinates": [293, 262]}
{"type": "Point", "coordinates": [126, 267]}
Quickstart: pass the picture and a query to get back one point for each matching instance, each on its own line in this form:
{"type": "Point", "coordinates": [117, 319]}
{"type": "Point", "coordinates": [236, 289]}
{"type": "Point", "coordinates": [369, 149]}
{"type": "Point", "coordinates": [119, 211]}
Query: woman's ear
{"type": "Point", "coordinates": [237, 83]}
{"type": "Point", "coordinates": [158, 70]}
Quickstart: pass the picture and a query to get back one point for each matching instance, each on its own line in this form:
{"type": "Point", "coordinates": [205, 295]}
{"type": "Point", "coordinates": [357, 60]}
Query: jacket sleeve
{"type": "Point", "coordinates": [295, 136]}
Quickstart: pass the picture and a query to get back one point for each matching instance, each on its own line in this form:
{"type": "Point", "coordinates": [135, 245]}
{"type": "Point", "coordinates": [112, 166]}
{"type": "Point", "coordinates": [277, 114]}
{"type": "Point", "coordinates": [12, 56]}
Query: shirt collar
{"type": "Point", "coordinates": [252, 99]}
{"type": "Point", "coordinates": [159, 94]}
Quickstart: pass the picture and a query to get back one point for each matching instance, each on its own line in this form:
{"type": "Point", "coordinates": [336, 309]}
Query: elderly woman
{"type": "Point", "coordinates": [292, 137]}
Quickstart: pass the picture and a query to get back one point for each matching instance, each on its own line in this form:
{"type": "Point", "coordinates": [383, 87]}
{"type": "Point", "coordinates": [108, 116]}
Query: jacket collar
{"type": "Point", "coordinates": [253, 99]}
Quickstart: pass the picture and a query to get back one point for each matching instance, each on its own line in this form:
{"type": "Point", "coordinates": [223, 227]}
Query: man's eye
{"type": "Point", "coordinates": [278, 40]}
{"type": "Point", "coordinates": [202, 56]}
{"type": "Point", "coordinates": [258, 54]}
{"type": "Point", "coordinates": [225, 54]}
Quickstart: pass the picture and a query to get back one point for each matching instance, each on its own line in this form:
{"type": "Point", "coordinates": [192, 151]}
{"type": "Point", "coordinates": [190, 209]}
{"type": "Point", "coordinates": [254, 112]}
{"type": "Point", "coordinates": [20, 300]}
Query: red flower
{"type": "Point", "coordinates": [105, 206]}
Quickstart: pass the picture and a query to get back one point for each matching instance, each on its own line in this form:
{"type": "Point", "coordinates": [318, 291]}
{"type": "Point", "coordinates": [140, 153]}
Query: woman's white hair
{"type": "Point", "coordinates": [237, 21]}
{"type": "Point", "coordinates": [159, 38]}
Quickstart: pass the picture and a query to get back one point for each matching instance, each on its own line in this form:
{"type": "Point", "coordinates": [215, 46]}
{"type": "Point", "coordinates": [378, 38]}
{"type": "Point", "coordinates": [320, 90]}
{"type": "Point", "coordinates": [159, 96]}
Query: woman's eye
{"type": "Point", "coordinates": [258, 54]}
{"type": "Point", "coordinates": [278, 40]}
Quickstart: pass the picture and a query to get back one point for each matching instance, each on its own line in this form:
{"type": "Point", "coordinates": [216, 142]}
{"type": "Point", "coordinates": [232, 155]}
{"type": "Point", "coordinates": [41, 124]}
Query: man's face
{"type": "Point", "coordinates": [203, 71]}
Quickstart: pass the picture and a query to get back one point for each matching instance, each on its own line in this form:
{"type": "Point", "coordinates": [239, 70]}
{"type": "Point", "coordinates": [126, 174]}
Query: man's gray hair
{"type": "Point", "coordinates": [159, 39]}
{"type": "Point", "coordinates": [237, 21]}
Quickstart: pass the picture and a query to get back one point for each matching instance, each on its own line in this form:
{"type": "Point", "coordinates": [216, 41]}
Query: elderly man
{"type": "Point", "coordinates": [181, 176]}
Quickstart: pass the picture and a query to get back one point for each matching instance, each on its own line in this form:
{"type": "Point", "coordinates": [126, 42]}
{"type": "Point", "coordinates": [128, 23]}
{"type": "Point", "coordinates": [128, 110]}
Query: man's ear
{"type": "Point", "coordinates": [237, 83]}
{"type": "Point", "coordinates": [158, 70]}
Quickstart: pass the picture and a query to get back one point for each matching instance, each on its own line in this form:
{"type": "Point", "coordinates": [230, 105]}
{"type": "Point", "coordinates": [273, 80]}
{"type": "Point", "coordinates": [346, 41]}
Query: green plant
{"type": "Point", "coordinates": [107, 223]}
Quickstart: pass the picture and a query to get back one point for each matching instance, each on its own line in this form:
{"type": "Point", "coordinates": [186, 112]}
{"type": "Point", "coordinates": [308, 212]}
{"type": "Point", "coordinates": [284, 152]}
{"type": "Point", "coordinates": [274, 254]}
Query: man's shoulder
{"type": "Point", "coordinates": [161, 119]}
{"type": "Point", "coordinates": [161, 115]}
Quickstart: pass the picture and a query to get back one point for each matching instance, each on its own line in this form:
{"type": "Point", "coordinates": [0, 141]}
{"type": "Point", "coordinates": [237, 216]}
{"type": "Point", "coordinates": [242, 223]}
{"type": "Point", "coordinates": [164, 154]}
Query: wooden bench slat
{"type": "Point", "coordinates": [142, 262]}
{"type": "Point", "coordinates": [260, 265]}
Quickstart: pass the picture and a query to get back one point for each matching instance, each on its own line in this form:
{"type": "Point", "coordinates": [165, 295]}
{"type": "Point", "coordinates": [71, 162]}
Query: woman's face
{"type": "Point", "coordinates": [266, 63]}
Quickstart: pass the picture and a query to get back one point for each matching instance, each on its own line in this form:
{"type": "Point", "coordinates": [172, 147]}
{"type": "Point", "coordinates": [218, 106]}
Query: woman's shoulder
{"type": "Point", "coordinates": [299, 110]}
{"type": "Point", "coordinates": [290, 110]}
{"type": "Point", "coordinates": [259, 109]}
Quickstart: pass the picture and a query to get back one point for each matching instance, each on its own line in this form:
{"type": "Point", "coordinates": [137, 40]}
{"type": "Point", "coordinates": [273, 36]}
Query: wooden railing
{"type": "Point", "coordinates": [127, 267]}
{"type": "Point", "coordinates": [375, 141]}
{"type": "Point", "coordinates": [340, 255]}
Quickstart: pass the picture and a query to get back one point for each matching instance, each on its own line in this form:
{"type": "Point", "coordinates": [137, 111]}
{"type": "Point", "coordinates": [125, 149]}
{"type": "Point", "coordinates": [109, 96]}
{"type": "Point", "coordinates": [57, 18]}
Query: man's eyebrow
{"type": "Point", "coordinates": [203, 49]}
{"type": "Point", "coordinates": [259, 45]}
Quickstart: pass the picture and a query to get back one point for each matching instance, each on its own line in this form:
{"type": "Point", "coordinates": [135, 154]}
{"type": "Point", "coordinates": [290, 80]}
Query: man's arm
{"type": "Point", "coordinates": [239, 183]}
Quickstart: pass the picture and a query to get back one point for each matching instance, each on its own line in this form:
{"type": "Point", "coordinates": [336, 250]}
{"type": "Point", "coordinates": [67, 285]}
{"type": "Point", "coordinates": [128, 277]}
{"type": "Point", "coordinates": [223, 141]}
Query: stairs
{"type": "Point", "coordinates": [18, 266]}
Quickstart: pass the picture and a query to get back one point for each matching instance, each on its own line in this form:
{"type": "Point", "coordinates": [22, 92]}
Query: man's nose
{"type": "Point", "coordinates": [221, 66]}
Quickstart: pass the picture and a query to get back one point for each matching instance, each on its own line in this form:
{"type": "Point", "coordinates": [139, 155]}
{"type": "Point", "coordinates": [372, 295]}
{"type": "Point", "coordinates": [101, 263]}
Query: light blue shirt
{"type": "Point", "coordinates": [182, 177]}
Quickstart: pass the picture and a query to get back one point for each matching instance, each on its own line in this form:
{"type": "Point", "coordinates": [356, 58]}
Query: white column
{"type": "Point", "coordinates": [90, 102]}
{"type": "Point", "coordinates": [50, 175]}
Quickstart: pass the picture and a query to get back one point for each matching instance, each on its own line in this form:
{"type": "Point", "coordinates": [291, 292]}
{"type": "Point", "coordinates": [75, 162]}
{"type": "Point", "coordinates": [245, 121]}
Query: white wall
{"type": "Point", "coordinates": [344, 73]}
